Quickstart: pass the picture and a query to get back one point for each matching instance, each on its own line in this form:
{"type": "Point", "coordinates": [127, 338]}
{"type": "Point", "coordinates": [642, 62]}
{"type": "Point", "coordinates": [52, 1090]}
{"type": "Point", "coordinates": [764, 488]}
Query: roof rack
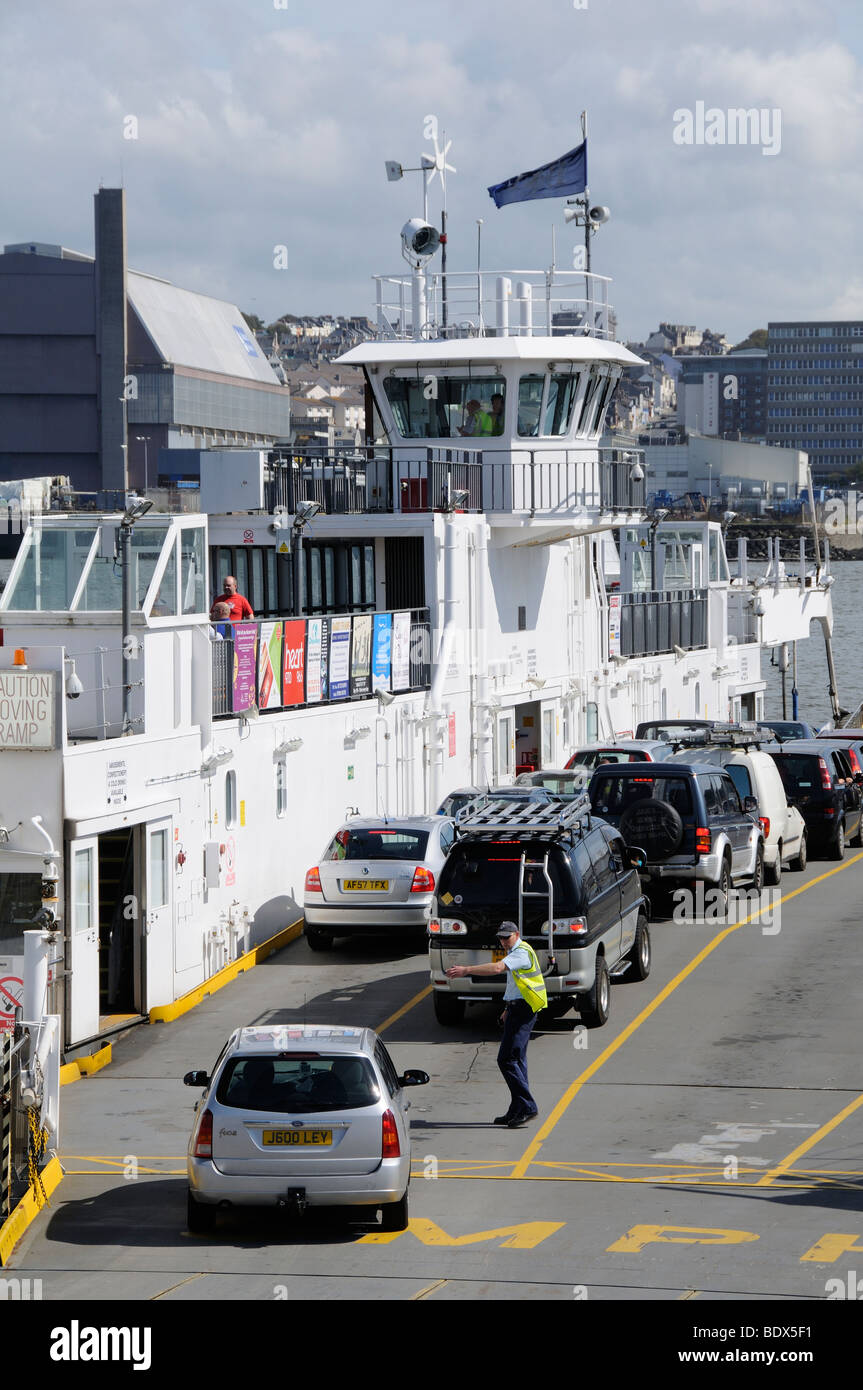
{"type": "Point", "coordinates": [729, 736]}
{"type": "Point", "coordinates": [487, 816]}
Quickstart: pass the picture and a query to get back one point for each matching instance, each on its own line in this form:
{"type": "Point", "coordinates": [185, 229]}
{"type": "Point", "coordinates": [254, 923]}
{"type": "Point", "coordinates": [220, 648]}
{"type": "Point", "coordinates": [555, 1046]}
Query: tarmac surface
{"type": "Point", "coordinates": [706, 1144]}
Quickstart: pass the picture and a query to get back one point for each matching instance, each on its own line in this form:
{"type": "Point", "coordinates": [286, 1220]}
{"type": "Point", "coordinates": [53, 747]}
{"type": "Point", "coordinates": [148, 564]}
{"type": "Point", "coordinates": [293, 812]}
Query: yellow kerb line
{"type": "Point", "coordinates": [573, 1089]}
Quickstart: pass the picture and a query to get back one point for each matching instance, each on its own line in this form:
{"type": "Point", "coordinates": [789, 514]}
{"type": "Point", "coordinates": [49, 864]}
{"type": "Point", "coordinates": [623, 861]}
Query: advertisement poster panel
{"type": "Point", "coordinates": [361, 655]}
{"type": "Point", "coordinates": [382, 642]}
{"type": "Point", "coordinates": [401, 651]}
{"type": "Point", "coordinates": [245, 666]}
{"type": "Point", "coordinates": [270, 666]}
{"type": "Point", "coordinates": [294, 662]}
{"type": "Point", "coordinates": [340, 658]}
{"type": "Point", "coordinates": [614, 625]}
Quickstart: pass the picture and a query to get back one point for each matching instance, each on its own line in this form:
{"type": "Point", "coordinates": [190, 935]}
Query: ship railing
{"type": "Point", "coordinates": [654, 622]}
{"type": "Point", "coordinates": [273, 665]}
{"type": "Point", "coordinates": [424, 478]}
{"type": "Point", "coordinates": [497, 304]}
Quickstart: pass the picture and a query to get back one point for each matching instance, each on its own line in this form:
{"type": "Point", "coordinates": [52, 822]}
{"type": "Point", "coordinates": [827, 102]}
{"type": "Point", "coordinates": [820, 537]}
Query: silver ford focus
{"type": "Point", "coordinates": [297, 1116]}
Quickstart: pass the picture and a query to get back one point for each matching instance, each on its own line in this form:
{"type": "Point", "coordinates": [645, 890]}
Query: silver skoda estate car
{"type": "Point", "coordinates": [298, 1116]}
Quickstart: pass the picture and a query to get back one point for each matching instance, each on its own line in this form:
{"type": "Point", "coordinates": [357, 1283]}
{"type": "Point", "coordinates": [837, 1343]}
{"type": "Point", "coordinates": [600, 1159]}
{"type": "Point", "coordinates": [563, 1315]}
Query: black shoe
{"type": "Point", "coordinates": [503, 1119]}
{"type": "Point", "coordinates": [517, 1121]}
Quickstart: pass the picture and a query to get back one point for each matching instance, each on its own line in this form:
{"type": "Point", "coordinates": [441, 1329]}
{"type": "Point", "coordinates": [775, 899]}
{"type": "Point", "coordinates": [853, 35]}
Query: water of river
{"type": "Point", "coordinates": [812, 679]}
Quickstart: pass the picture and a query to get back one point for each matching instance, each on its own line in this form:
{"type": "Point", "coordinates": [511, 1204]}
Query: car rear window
{"type": "Point", "coordinates": [391, 842]}
{"type": "Point", "coordinates": [800, 772]}
{"type": "Point", "coordinates": [485, 874]}
{"type": "Point", "coordinates": [610, 796]}
{"type": "Point", "coordinates": [299, 1083]}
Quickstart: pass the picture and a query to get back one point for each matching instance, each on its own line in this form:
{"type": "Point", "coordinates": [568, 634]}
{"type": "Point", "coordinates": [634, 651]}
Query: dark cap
{"type": "Point", "coordinates": [507, 929]}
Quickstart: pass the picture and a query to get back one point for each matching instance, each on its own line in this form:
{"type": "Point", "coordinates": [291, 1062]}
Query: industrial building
{"type": "Point", "coordinates": [95, 358]}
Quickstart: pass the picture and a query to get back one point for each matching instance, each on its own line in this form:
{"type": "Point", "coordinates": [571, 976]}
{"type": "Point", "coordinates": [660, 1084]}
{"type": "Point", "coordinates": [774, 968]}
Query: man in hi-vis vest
{"type": "Point", "coordinates": [523, 997]}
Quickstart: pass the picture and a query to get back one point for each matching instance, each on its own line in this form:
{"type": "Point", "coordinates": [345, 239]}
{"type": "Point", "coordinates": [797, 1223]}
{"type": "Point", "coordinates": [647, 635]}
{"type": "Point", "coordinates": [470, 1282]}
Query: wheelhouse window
{"type": "Point", "coordinates": [435, 406]}
{"type": "Point", "coordinates": [545, 403]}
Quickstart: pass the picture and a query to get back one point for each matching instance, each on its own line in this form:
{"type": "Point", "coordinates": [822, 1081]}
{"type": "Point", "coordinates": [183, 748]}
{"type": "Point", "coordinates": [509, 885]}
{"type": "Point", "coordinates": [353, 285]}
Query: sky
{"type": "Point", "coordinates": [262, 124]}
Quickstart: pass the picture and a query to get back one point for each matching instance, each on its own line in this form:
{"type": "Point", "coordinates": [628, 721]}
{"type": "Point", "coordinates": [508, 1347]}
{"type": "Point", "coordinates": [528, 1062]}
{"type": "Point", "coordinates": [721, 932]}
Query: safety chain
{"type": "Point", "coordinates": [38, 1142]}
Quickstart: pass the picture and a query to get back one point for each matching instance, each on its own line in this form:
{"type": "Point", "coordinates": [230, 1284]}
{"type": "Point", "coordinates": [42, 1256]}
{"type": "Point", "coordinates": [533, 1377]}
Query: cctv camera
{"type": "Point", "coordinates": [74, 688]}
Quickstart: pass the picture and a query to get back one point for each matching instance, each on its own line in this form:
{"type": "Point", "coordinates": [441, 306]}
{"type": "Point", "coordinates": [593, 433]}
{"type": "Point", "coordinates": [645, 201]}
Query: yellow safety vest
{"type": "Point", "coordinates": [484, 423]}
{"type": "Point", "coordinates": [531, 985]}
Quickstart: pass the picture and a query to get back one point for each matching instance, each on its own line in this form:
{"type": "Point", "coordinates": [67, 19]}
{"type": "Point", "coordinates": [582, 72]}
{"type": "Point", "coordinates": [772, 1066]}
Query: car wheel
{"type": "Point", "coordinates": [758, 871]}
{"type": "Point", "coordinates": [639, 957]}
{"type": "Point", "coordinates": [394, 1216]}
{"type": "Point", "coordinates": [448, 1010]}
{"type": "Point", "coordinates": [837, 850]}
{"type": "Point", "coordinates": [857, 840]}
{"type": "Point", "coordinates": [723, 888]}
{"type": "Point", "coordinates": [199, 1218]}
{"type": "Point", "coordinates": [318, 940]}
{"type": "Point", "coordinates": [773, 872]}
{"type": "Point", "coordinates": [595, 1006]}
{"type": "Point", "coordinates": [800, 862]}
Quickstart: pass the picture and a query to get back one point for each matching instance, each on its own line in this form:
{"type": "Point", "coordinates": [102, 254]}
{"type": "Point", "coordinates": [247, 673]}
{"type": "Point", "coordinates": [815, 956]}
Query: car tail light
{"type": "Point", "coordinates": [854, 760]}
{"type": "Point", "coordinates": [313, 881]}
{"type": "Point", "coordinates": [765, 826]}
{"type": "Point", "coordinates": [204, 1138]}
{"type": "Point", "coordinates": [702, 840]}
{"type": "Point", "coordinates": [826, 784]}
{"type": "Point", "coordinates": [576, 925]}
{"type": "Point", "coordinates": [434, 926]}
{"type": "Point", "coordinates": [423, 880]}
{"type": "Point", "coordinates": [451, 925]}
{"type": "Point", "coordinates": [390, 1147]}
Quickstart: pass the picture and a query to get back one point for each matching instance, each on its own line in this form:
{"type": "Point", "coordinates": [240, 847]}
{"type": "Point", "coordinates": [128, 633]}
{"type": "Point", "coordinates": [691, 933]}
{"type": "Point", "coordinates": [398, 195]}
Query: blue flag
{"type": "Point", "coordinates": [556, 180]}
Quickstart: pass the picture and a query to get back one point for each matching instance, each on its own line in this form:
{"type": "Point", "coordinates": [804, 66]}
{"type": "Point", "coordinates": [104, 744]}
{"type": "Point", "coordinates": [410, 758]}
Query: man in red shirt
{"type": "Point", "coordinates": [239, 606]}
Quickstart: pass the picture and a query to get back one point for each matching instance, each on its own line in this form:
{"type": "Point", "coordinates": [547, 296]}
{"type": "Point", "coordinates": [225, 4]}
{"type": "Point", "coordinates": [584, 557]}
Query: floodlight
{"type": "Point", "coordinates": [419, 240]}
{"type": "Point", "coordinates": [135, 509]}
{"type": "Point", "coordinates": [305, 512]}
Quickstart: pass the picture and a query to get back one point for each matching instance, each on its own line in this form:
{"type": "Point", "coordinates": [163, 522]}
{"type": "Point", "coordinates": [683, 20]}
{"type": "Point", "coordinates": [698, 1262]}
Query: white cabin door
{"type": "Point", "coordinates": [158, 913]}
{"type": "Point", "coordinates": [505, 748]}
{"type": "Point", "coordinates": [83, 921]}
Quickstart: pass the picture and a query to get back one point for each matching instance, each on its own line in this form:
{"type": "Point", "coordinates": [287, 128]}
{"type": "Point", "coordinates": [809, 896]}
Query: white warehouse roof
{"type": "Point", "coordinates": [193, 330]}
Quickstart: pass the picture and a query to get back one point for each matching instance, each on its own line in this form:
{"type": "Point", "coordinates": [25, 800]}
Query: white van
{"type": "Point", "coordinates": [754, 773]}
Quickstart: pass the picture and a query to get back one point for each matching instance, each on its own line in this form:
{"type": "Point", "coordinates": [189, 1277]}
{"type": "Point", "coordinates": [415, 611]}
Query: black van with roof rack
{"type": "Point", "coordinates": [567, 880]}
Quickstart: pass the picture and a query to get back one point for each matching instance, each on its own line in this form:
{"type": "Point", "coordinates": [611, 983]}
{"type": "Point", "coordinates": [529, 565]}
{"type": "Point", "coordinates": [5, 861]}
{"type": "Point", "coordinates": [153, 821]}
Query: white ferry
{"type": "Point", "coordinates": [478, 590]}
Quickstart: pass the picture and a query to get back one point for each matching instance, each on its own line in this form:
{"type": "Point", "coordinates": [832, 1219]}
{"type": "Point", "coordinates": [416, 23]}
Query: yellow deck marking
{"type": "Point", "coordinates": [400, 1013]}
{"type": "Point", "coordinates": [429, 1288]}
{"type": "Point", "coordinates": [521, 1167]}
{"type": "Point", "coordinates": [172, 1287]}
{"type": "Point", "coordinates": [690, 1293]}
{"type": "Point", "coordinates": [810, 1143]}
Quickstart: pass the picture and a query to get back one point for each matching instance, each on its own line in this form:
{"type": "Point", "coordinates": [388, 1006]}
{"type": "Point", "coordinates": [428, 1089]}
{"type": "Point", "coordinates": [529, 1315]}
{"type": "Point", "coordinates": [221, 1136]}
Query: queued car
{"type": "Point", "coordinates": [567, 879]}
{"type": "Point", "coordinates": [689, 820]}
{"type": "Point", "coordinates": [375, 876]}
{"type": "Point", "coordinates": [628, 750]}
{"type": "Point", "coordinates": [561, 783]}
{"type": "Point", "coordinates": [820, 781]}
{"type": "Point", "coordinates": [298, 1116]}
{"type": "Point", "coordinates": [755, 774]}
{"type": "Point", "coordinates": [457, 800]}
{"type": "Point", "coordinates": [786, 729]}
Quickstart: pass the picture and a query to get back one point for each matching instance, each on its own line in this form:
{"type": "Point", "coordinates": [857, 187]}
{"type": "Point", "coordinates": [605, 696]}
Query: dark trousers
{"type": "Point", "coordinates": [512, 1055]}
